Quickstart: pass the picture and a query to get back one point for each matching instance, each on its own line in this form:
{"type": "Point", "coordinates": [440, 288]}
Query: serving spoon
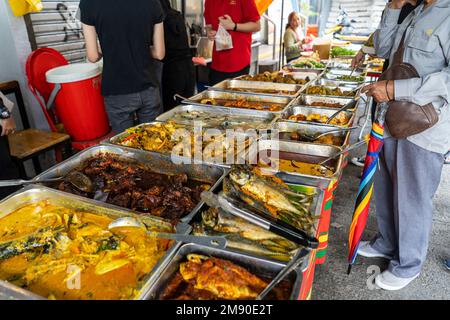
{"type": "Point", "coordinates": [77, 179]}
{"type": "Point", "coordinates": [130, 222]}
{"type": "Point", "coordinates": [345, 150]}
{"type": "Point", "coordinates": [312, 138]}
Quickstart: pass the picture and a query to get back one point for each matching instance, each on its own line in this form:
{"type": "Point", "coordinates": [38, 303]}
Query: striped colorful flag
{"type": "Point", "coordinates": [365, 191]}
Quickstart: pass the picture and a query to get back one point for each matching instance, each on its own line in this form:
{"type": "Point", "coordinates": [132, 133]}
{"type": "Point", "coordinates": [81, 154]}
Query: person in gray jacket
{"type": "Point", "coordinates": [410, 169]}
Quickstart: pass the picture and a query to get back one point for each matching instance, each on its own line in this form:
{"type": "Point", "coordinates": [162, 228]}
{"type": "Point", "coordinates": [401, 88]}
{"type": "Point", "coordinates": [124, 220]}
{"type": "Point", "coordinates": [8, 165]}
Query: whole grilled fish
{"type": "Point", "coordinates": [221, 221]}
{"type": "Point", "coordinates": [272, 194]}
{"type": "Point", "coordinates": [240, 243]}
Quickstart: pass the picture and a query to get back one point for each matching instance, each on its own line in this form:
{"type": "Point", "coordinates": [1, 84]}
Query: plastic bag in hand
{"type": "Point", "coordinates": [223, 39]}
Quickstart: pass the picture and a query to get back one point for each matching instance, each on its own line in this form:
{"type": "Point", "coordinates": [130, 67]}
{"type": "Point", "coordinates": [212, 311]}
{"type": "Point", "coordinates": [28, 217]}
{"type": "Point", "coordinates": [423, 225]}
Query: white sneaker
{"type": "Point", "coordinates": [447, 158]}
{"type": "Point", "coordinates": [359, 162]}
{"type": "Point", "coordinates": [388, 281]}
{"type": "Point", "coordinates": [366, 250]}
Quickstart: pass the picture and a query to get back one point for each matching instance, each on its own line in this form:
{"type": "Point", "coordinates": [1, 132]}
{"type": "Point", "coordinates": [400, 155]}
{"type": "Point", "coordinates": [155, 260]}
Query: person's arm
{"type": "Point", "coordinates": [248, 27]}
{"type": "Point", "coordinates": [431, 88]}
{"type": "Point", "coordinates": [384, 36]}
{"type": "Point", "coordinates": [6, 102]}
{"type": "Point", "coordinates": [8, 126]}
{"type": "Point", "coordinates": [90, 38]}
{"type": "Point", "coordinates": [158, 48]}
{"type": "Point", "coordinates": [422, 91]}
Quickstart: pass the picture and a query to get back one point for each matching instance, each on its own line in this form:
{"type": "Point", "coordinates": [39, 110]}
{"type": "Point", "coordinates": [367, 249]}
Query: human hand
{"type": "Point", "coordinates": [398, 4]}
{"type": "Point", "coordinates": [226, 22]}
{"type": "Point", "coordinates": [358, 59]}
{"type": "Point", "coordinates": [382, 91]}
{"type": "Point", "coordinates": [8, 126]}
{"type": "Point", "coordinates": [210, 33]}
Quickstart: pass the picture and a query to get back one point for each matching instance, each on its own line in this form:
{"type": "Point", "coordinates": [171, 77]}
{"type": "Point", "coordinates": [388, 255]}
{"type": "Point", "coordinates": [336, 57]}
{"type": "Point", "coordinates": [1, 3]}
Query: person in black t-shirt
{"type": "Point", "coordinates": [178, 75]}
{"type": "Point", "coordinates": [131, 36]}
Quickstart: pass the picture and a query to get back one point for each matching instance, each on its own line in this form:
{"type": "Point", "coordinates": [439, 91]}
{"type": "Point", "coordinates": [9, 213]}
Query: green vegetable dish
{"type": "Point", "coordinates": [342, 52]}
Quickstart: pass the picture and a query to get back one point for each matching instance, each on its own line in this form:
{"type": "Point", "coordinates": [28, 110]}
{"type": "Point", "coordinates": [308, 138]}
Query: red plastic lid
{"type": "Point", "coordinates": [38, 63]}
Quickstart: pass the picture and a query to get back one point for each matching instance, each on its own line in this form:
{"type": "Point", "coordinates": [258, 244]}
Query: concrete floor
{"type": "Point", "coordinates": [331, 280]}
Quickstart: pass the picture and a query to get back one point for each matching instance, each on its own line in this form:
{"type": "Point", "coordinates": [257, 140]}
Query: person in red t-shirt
{"type": "Point", "coordinates": [240, 18]}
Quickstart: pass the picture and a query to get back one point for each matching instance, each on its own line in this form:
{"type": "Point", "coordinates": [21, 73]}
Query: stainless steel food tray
{"type": "Point", "coordinates": [257, 266]}
{"type": "Point", "coordinates": [33, 194]}
{"type": "Point", "coordinates": [247, 210]}
{"type": "Point", "coordinates": [295, 110]}
{"type": "Point", "coordinates": [343, 89]}
{"type": "Point", "coordinates": [299, 148]}
{"type": "Point", "coordinates": [309, 129]}
{"type": "Point", "coordinates": [296, 75]}
{"type": "Point", "coordinates": [156, 162]}
{"type": "Point", "coordinates": [336, 83]}
{"type": "Point", "coordinates": [266, 118]}
{"type": "Point", "coordinates": [251, 97]}
{"type": "Point", "coordinates": [344, 64]}
{"type": "Point", "coordinates": [175, 158]}
{"type": "Point", "coordinates": [305, 70]}
{"type": "Point", "coordinates": [334, 73]}
{"type": "Point", "coordinates": [251, 86]}
{"type": "Point", "coordinates": [307, 100]}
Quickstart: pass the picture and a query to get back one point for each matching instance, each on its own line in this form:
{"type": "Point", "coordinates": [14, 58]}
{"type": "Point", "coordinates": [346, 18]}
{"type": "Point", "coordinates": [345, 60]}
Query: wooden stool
{"type": "Point", "coordinates": [30, 143]}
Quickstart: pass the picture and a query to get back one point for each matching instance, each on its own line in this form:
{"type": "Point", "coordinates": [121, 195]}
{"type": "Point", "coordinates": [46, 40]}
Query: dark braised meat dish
{"type": "Point", "coordinates": [135, 187]}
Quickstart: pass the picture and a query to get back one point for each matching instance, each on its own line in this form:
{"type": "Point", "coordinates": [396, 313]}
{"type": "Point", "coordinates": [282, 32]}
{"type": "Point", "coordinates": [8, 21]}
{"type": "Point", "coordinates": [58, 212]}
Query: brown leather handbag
{"type": "Point", "coordinates": [404, 118]}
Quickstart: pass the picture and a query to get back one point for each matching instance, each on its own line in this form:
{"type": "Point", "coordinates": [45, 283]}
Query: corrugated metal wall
{"type": "Point", "coordinates": [56, 27]}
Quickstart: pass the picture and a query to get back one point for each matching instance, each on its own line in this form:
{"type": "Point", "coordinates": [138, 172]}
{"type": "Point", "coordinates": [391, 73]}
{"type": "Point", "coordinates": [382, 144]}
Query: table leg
{"type": "Point", "coordinates": [37, 165]}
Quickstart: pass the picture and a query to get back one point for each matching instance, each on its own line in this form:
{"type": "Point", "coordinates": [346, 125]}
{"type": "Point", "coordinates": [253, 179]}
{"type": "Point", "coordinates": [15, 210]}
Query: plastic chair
{"type": "Point", "coordinates": [38, 63]}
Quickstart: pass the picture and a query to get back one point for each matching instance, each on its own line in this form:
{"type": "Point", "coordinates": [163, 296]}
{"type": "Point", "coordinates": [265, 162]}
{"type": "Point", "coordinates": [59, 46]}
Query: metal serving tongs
{"type": "Point", "coordinates": [277, 227]}
{"type": "Point", "coordinates": [208, 241]}
{"type": "Point", "coordinates": [354, 146]}
{"type": "Point", "coordinates": [75, 178]}
{"type": "Point", "coordinates": [350, 105]}
{"type": "Point", "coordinates": [296, 260]}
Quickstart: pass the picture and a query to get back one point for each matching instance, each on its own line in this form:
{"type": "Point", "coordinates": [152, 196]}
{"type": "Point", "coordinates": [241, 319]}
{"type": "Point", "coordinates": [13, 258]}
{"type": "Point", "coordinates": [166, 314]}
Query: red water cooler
{"type": "Point", "coordinates": [78, 101]}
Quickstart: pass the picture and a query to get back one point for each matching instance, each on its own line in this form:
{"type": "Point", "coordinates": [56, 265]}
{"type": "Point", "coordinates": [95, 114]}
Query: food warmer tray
{"type": "Point", "coordinates": [257, 266]}
{"type": "Point", "coordinates": [248, 86]}
{"type": "Point", "coordinates": [332, 74]}
{"type": "Point", "coordinates": [337, 83]}
{"type": "Point", "coordinates": [263, 116]}
{"type": "Point", "coordinates": [343, 89]}
{"type": "Point", "coordinates": [114, 141]}
{"type": "Point", "coordinates": [157, 162]}
{"type": "Point", "coordinates": [304, 149]}
{"type": "Point", "coordinates": [251, 97]}
{"type": "Point", "coordinates": [310, 129]}
{"type": "Point", "coordinates": [307, 99]}
{"type": "Point", "coordinates": [33, 194]}
{"type": "Point", "coordinates": [295, 110]}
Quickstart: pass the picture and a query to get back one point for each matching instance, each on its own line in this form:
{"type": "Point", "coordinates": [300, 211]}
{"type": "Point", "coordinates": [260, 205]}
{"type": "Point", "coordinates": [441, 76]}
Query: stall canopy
{"type": "Point", "coordinates": [263, 5]}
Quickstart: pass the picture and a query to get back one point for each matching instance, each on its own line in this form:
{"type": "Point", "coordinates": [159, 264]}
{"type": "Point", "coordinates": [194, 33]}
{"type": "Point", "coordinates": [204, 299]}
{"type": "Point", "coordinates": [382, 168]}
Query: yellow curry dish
{"type": "Point", "coordinates": [61, 253]}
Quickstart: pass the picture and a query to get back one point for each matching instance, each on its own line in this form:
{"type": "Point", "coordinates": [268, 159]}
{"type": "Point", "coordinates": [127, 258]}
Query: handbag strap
{"type": "Point", "coordinates": [398, 55]}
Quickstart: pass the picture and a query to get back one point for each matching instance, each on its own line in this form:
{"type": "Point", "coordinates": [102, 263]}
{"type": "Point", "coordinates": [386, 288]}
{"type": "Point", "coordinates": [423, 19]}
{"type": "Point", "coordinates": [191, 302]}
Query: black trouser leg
{"type": "Point", "coordinates": [8, 169]}
{"type": "Point", "coordinates": [178, 78]}
{"type": "Point", "coordinates": [216, 76]}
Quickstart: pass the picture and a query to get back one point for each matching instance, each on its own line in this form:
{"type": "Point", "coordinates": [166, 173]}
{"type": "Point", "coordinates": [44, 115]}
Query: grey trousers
{"type": "Point", "coordinates": [121, 109]}
{"type": "Point", "coordinates": [405, 183]}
